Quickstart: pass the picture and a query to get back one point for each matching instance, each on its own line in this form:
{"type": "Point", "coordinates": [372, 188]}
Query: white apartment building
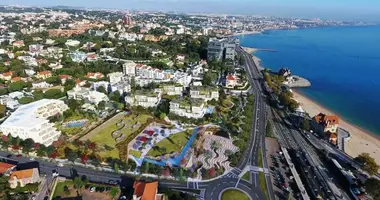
{"type": "Point", "coordinates": [171, 89]}
{"type": "Point", "coordinates": [129, 68]}
{"type": "Point", "coordinates": [115, 77]}
{"type": "Point", "coordinates": [89, 96]}
{"type": "Point", "coordinates": [72, 43]}
{"type": "Point", "coordinates": [30, 121]}
{"type": "Point", "coordinates": [144, 98]}
{"type": "Point", "coordinates": [204, 92]}
{"type": "Point", "coordinates": [191, 108]}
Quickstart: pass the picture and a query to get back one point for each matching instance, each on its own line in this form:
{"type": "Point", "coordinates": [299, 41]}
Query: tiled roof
{"type": "Point", "coordinates": [27, 173]}
{"type": "Point", "coordinates": [4, 167]}
{"type": "Point", "coordinates": [147, 191]}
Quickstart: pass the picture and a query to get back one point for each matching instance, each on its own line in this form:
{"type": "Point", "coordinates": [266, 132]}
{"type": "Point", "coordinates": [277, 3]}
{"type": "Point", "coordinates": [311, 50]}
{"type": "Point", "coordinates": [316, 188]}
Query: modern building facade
{"type": "Point", "coordinates": [31, 121]}
{"type": "Point", "coordinates": [188, 107]}
{"type": "Point", "coordinates": [222, 49]}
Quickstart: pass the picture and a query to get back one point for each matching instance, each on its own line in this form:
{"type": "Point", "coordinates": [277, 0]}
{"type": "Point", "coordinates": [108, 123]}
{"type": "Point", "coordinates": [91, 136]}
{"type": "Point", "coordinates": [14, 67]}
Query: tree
{"type": "Point", "coordinates": [27, 145]}
{"type": "Point", "coordinates": [71, 155]}
{"type": "Point", "coordinates": [305, 124]}
{"type": "Point", "coordinates": [3, 111]}
{"type": "Point", "coordinates": [102, 105]}
{"type": "Point", "coordinates": [53, 80]}
{"type": "Point", "coordinates": [66, 190]}
{"type": "Point", "coordinates": [53, 94]}
{"type": "Point", "coordinates": [372, 186]}
{"type": "Point", "coordinates": [26, 100]}
{"type": "Point", "coordinates": [116, 167]}
{"type": "Point", "coordinates": [16, 86]}
{"type": "Point", "coordinates": [3, 91]}
{"type": "Point", "coordinates": [101, 89]}
{"type": "Point", "coordinates": [73, 104]}
{"type": "Point", "coordinates": [368, 163]}
{"type": "Point", "coordinates": [114, 191]}
{"type": "Point", "coordinates": [78, 183]}
{"type": "Point", "coordinates": [208, 78]}
{"type": "Point", "coordinates": [115, 96]}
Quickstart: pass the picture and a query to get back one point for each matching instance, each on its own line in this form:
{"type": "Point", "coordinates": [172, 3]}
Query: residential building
{"type": "Point", "coordinates": [64, 77]}
{"type": "Point", "coordinates": [6, 76]}
{"type": "Point", "coordinates": [171, 89]}
{"type": "Point", "coordinates": [180, 57]}
{"type": "Point", "coordinates": [72, 43]}
{"type": "Point", "coordinates": [222, 49]}
{"type": "Point", "coordinates": [31, 121]}
{"type": "Point", "coordinates": [18, 44]}
{"type": "Point", "coordinates": [146, 191]}
{"type": "Point", "coordinates": [41, 84]}
{"type": "Point", "coordinates": [144, 98]}
{"type": "Point", "coordinates": [94, 75]}
{"type": "Point", "coordinates": [5, 168]}
{"type": "Point", "coordinates": [35, 48]}
{"type": "Point", "coordinates": [55, 66]}
{"type": "Point", "coordinates": [323, 123]}
{"type": "Point", "coordinates": [89, 96]}
{"type": "Point", "coordinates": [104, 84]}
{"type": "Point", "coordinates": [188, 107]}
{"type": "Point", "coordinates": [24, 177]}
{"type": "Point", "coordinates": [129, 68]}
{"type": "Point", "coordinates": [78, 56]}
{"type": "Point", "coordinates": [44, 75]}
{"type": "Point", "coordinates": [204, 92]}
{"type": "Point", "coordinates": [92, 57]}
{"type": "Point", "coordinates": [115, 77]}
{"type": "Point", "coordinates": [231, 81]}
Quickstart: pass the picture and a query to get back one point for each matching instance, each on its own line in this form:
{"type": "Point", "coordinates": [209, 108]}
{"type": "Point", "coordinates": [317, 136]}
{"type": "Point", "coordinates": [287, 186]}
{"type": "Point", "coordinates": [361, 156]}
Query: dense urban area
{"type": "Point", "coordinates": [111, 104]}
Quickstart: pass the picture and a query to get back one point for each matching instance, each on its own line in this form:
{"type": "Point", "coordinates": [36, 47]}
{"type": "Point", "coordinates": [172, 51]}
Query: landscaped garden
{"type": "Point", "coordinates": [232, 194]}
{"type": "Point", "coordinates": [173, 143]}
{"type": "Point", "coordinates": [115, 130]}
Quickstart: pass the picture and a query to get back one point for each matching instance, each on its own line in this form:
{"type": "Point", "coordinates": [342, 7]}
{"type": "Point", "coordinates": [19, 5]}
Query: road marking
{"type": "Point", "coordinates": [237, 183]}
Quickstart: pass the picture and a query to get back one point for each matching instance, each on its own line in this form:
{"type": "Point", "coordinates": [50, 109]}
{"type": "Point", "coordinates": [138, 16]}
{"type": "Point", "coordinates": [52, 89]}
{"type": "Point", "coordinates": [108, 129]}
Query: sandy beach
{"type": "Point", "coordinates": [246, 33]}
{"type": "Point", "coordinates": [361, 140]}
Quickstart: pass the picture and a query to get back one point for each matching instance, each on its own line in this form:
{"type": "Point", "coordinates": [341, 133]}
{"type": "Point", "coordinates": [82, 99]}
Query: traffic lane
{"type": "Point", "coordinates": [214, 190]}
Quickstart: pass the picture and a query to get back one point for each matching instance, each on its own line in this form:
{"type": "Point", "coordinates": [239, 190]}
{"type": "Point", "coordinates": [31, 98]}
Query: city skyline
{"type": "Point", "coordinates": [367, 10]}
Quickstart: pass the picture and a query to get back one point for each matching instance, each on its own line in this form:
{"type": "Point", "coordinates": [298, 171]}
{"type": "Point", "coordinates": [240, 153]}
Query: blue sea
{"type": "Point", "coordinates": [342, 63]}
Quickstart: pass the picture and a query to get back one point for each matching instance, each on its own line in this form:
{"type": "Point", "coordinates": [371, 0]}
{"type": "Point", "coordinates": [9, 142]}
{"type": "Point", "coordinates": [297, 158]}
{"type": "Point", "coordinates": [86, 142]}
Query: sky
{"type": "Point", "coordinates": [363, 10]}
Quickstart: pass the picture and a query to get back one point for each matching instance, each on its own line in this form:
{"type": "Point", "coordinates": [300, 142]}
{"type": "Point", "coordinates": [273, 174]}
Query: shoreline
{"type": "Point", "coordinates": [247, 33]}
{"type": "Point", "coordinates": [362, 141]}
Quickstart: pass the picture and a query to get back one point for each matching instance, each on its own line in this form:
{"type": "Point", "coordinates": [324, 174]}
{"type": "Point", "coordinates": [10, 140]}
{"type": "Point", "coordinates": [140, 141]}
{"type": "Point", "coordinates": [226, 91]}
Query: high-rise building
{"type": "Point", "coordinates": [127, 20]}
{"type": "Point", "coordinates": [222, 49]}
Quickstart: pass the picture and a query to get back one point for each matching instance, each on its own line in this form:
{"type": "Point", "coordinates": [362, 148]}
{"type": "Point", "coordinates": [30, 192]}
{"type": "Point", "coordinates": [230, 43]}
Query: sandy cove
{"type": "Point", "coordinates": [361, 140]}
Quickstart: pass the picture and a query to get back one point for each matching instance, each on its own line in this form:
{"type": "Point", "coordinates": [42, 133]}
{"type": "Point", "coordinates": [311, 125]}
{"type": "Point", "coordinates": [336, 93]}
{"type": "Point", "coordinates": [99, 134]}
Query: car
{"type": "Point", "coordinates": [9, 155]}
{"type": "Point", "coordinates": [92, 189]}
{"type": "Point", "coordinates": [60, 164]}
{"type": "Point", "coordinates": [18, 155]}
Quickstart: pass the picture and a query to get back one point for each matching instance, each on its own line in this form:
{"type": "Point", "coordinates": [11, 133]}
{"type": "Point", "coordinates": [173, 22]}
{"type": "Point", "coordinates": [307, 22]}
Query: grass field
{"type": "Point", "coordinates": [173, 143]}
{"type": "Point", "coordinates": [247, 176]}
{"type": "Point", "coordinates": [59, 191]}
{"type": "Point", "coordinates": [234, 195]}
{"type": "Point", "coordinates": [102, 135]}
{"type": "Point", "coordinates": [262, 182]}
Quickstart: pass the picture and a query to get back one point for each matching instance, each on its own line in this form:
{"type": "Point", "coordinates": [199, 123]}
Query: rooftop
{"type": "Point", "coordinates": [4, 167]}
{"type": "Point", "coordinates": [25, 117]}
{"type": "Point", "coordinates": [21, 174]}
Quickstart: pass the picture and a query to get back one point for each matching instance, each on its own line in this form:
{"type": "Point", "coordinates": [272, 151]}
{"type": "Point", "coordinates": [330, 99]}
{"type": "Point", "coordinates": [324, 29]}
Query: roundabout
{"type": "Point", "coordinates": [234, 194]}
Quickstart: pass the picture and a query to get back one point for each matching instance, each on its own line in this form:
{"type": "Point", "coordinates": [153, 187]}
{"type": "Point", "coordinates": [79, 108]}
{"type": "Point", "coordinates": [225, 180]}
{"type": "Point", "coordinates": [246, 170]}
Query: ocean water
{"type": "Point", "coordinates": [342, 63]}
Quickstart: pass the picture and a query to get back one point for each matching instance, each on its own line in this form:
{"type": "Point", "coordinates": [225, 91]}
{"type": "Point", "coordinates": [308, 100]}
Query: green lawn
{"type": "Point", "coordinates": [234, 195]}
{"type": "Point", "coordinates": [103, 136]}
{"type": "Point", "coordinates": [135, 153]}
{"type": "Point", "coordinates": [59, 189]}
{"type": "Point", "coordinates": [259, 158]}
{"type": "Point", "coordinates": [247, 176]}
{"type": "Point", "coordinates": [263, 185]}
{"type": "Point", "coordinates": [173, 143]}
{"type": "Point", "coordinates": [26, 189]}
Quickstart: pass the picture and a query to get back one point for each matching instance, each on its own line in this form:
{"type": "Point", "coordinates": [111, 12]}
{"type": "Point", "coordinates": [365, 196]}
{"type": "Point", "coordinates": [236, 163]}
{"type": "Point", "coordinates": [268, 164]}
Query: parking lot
{"type": "Point", "coordinates": [280, 173]}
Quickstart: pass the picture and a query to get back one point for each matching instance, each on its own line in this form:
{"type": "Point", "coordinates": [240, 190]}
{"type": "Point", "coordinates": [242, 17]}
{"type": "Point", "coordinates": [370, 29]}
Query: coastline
{"type": "Point", "coordinates": [247, 33]}
{"type": "Point", "coordinates": [362, 141]}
